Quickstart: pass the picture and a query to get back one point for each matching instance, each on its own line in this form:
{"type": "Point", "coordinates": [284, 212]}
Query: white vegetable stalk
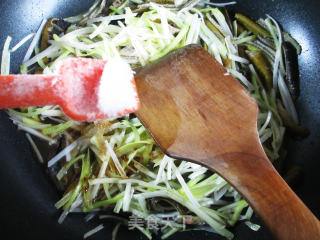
{"type": "Point", "coordinates": [77, 18]}
{"type": "Point", "coordinates": [125, 181]}
{"type": "Point", "coordinates": [197, 173]}
{"type": "Point", "coordinates": [221, 33]}
{"type": "Point", "coordinates": [36, 133]}
{"type": "Point", "coordinates": [5, 61]}
{"type": "Point", "coordinates": [101, 174]}
{"type": "Point", "coordinates": [50, 51]}
{"type": "Point", "coordinates": [115, 159]}
{"type": "Point", "coordinates": [233, 49]}
{"type": "Point", "coordinates": [252, 226]}
{"type": "Point", "coordinates": [287, 100]}
{"type": "Point", "coordinates": [111, 18]}
{"type": "Point", "coordinates": [34, 41]}
{"type": "Point", "coordinates": [93, 231]}
{"type": "Point", "coordinates": [164, 22]}
{"type": "Point", "coordinates": [213, 50]}
{"type": "Point", "coordinates": [242, 78]}
{"type": "Point", "coordinates": [186, 188]}
{"type": "Point", "coordinates": [35, 148]}
{"type": "Point", "coordinates": [198, 13]}
{"type": "Point", "coordinates": [76, 203]}
{"type": "Point", "coordinates": [222, 22]}
{"type": "Point", "coordinates": [127, 197]}
{"type": "Point", "coordinates": [74, 44]}
{"type": "Point", "coordinates": [261, 130]}
{"type": "Point", "coordinates": [63, 216]}
{"type": "Point", "coordinates": [142, 53]}
{"type": "Point", "coordinates": [68, 155]}
{"type": "Point", "coordinates": [99, 29]}
{"type": "Point", "coordinates": [63, 153]}
{"type": "Point", "coordinates": [214, 40]}
{"type": "Point", "coordinates": [147, 172]}
{"type": "Point", "coordinates": [169, 168]}
{"type": "Point", "coordinates": [188, 6]}
{"type": "Point", "coordinates": [220, 193]}
{"type": "Point", "coordinates": [193, 35]}
{"type": "Point", "coordinates": [22, 42]}
{"type": "Point", "coordinates": [238, 59]}
{"type": "Point", "coordinates": [220, 4]}
{"type": "Point", "coordinates": [161, 169]}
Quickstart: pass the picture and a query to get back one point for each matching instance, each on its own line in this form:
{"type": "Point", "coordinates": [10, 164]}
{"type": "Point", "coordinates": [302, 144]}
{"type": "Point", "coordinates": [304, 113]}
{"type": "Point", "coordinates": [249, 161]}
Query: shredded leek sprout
{"type": "Point", "coordinates": [117, 164]}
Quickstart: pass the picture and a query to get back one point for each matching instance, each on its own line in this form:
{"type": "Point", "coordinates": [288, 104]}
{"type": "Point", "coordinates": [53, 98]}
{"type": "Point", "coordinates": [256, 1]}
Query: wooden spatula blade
{"type": "Point", "coordinates": [197, 102]}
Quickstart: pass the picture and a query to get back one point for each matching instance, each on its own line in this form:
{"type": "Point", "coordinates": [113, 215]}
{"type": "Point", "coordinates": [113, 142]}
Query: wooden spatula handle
{"type": "Point", "coordinates": [281, 210]}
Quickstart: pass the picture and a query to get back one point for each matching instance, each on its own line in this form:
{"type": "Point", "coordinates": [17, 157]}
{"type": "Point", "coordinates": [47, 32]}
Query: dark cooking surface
{"type": "Point", "coordinates": [28, 197]}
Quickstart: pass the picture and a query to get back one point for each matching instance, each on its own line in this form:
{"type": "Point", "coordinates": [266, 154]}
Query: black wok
{"type": "Point", "coordinates": [27, 195]}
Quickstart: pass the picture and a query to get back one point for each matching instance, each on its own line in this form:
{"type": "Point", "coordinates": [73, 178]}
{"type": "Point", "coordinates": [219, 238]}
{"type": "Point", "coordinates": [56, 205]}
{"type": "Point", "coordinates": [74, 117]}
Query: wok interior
{"type": "Point", "coordinates": [28, 196]}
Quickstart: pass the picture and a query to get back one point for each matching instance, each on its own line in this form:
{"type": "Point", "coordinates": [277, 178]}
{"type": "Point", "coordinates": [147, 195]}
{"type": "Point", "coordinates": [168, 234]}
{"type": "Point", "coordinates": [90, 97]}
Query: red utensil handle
{"type": "Point", "coordinates": [28, 90]}
{"type": "Point", "coordinates": [281, 210]}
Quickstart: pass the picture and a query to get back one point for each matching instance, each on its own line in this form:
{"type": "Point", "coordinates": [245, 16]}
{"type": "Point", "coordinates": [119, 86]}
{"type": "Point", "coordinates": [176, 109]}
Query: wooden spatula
{"type": "Point", "coordinates": [197, 112]}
